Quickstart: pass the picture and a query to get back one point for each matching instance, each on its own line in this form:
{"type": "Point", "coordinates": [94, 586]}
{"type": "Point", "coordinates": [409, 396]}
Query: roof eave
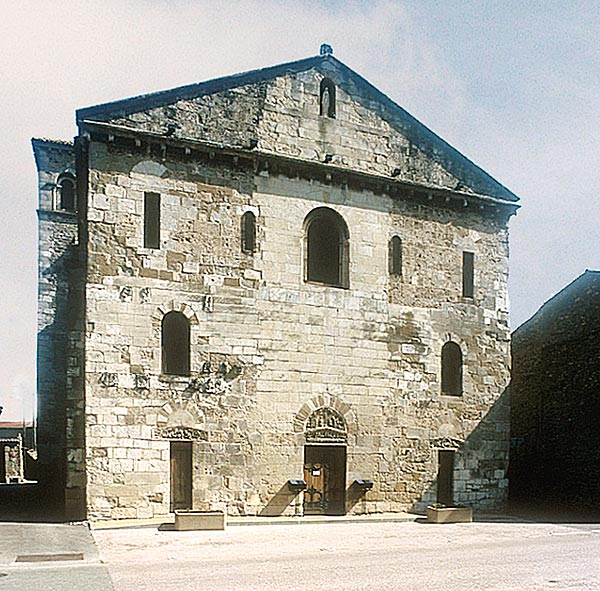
{"type": "Point", "coordinates": [111, 129]}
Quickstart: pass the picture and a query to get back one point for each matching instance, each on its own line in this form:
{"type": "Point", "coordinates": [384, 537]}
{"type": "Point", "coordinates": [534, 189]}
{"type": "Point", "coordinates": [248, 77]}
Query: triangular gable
{"type": "Point", "coordinates": [461, 171]}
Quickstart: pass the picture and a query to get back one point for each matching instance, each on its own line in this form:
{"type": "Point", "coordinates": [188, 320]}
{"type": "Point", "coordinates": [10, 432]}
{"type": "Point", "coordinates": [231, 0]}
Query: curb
{"type": "Point", "coordinates": [167, 521]}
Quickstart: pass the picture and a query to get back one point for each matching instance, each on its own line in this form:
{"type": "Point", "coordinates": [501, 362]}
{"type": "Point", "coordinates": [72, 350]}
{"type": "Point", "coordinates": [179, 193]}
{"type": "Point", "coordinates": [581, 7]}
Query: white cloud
{"type": "Point", "coordinates": [513, 86]}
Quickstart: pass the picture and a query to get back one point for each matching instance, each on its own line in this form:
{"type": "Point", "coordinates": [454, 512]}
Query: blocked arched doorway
{"type": "Point", "coordinates": [325, 463]}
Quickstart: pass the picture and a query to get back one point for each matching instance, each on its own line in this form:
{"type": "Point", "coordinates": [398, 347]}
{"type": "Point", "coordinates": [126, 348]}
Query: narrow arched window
{"type": "Point", "coordinates": [175, 333]}
{"type": "Point", "coordinates": [248, 232]}
{"type": "Point", "coordinates": [66, 192]}
{"type": "Point", "coordinates": [395, 256]}
{"type": "Point", "coordinates": [327, 98]}
{"type": "Point", "coordinates": [326, 236]}
{"type": "Point", "coordinates": [451, 369]}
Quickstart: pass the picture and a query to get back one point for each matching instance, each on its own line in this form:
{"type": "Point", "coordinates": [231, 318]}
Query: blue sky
{"type": "Point", "coordinates": [514, 86]}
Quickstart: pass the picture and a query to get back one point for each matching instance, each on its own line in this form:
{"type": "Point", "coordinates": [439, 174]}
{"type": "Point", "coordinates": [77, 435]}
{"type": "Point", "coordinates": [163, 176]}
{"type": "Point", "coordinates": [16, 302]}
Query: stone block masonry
{"type": "Point", "coordinates": [334, 381]}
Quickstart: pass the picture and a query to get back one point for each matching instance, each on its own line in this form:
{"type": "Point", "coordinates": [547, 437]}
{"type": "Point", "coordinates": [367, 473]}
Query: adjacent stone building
{"type": "Point", "coordinates": [555, 403]}
{"type": "Point", "coordinates": [268, 282]}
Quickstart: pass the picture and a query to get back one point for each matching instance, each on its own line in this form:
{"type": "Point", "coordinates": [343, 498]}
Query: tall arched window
{"type": "Point", "coordinates": [326, 236]}
{"type": "Point", "coordinates": [395, 256]}
{"type": "Point", "coordinates": [66, 192]}
{"type": "Point", "coordinates": [175, 333]}
{"type": "Point", "coordinates": [327, 98]}
{"type": "Point", "coordinates": [451, 369]}
{"type": "Point", "coordinates": [248, 232]}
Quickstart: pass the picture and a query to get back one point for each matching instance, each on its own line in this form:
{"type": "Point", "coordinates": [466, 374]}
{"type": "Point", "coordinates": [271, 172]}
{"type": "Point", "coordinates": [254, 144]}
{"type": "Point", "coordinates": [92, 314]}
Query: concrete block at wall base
{"type": "Point", "coordinates": [449, 514]}
{"type": "Point", "coordinates": [199, 520]}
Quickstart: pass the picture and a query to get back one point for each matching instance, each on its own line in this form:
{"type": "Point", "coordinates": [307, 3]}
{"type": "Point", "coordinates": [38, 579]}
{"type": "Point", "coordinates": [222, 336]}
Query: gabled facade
{"type": "Point", "coordinates": [286, 278]}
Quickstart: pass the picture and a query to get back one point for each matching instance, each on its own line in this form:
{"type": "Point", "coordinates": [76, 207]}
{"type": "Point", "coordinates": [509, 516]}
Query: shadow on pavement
{"type": "Point", "coordinates": [27, 503]}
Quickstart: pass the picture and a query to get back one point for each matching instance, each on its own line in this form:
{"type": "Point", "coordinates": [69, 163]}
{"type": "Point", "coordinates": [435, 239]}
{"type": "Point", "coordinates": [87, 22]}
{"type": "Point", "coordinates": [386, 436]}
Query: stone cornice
{"type": "Point", "coordinates": [271, 163]}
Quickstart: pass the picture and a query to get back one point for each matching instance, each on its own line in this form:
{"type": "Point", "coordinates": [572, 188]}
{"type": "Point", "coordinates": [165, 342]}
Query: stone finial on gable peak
{"type": "Point", "coordinates": [325, 49]}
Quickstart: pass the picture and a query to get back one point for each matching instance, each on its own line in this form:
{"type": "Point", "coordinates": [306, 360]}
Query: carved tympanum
{"type": "Point", "coordinates": [326, 425]}
{"type": "Point", "coordinates": [187, 433]}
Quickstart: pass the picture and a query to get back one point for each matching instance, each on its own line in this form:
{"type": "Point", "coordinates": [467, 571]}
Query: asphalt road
{"type": "Point", "coordinates": [357, 557]}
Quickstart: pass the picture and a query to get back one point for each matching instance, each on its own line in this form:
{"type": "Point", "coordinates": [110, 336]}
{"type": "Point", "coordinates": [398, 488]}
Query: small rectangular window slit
{"type": "Point", "coordinates": [151, 220]}
{"type": "Point", "coordinates": [468, 283]}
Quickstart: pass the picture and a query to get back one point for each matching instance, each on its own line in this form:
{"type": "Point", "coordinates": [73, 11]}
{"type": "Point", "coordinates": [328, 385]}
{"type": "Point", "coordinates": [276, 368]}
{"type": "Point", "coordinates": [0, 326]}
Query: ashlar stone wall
{"type": "Point", "coordinates": [59, 334]}
{"type": "Point", "coordinates": [267, 348]}
{"type": "Point", "coordinates": [281, 116]}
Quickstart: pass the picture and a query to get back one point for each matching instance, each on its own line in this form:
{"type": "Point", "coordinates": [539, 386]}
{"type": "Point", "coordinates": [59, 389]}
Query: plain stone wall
{"type": "Point", "coordinates": [59, 337]}
{"type": "Point", "coordinates": [555, 403]}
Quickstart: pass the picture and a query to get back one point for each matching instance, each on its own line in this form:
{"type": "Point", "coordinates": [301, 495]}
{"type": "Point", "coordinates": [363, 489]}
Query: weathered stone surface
{"type": "Point", "coordinates": [269, 349]}
{"type": "Point", "coordinates": [60, 334]}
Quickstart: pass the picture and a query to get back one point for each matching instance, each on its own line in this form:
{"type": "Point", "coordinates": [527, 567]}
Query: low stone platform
{"type": "Point", "coordinates": [168, 520]}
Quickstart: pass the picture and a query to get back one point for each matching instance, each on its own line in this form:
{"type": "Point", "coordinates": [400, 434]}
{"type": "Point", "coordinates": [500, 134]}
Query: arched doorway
{"type": "Point", "coordinates": [325, 463]}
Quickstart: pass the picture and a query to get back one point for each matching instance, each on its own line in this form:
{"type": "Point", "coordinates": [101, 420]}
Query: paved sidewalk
{"type": "Point", "coordinates": [50, 557]}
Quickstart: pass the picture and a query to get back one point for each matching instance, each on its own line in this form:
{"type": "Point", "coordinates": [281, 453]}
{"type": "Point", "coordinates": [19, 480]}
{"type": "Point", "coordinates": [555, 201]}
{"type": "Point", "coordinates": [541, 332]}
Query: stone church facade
{"type": "Point", "coordinates": [271, 293]}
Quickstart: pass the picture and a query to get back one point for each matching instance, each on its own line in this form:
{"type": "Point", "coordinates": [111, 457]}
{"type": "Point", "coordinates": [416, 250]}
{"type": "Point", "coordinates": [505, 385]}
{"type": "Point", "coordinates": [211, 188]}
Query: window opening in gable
{"type": "Point", "coordinates": [327, 246]}
{"type": "Point", "coordinates": [468, 282]}
{"type": "Point", "coordinates": [248, 232]}
{"type": "Point", "coordinates": [395, 256]}
{"type": "Point", "coordinates": [151, 220]}
{"type": "Point", "coordinates": [452, 371]}
{"type": "Point", "coordinates": [175, 333]}
{"type": "Point", "coordinates": [66, 192]}
{"type": "Point", "coordinates": [327, 98]}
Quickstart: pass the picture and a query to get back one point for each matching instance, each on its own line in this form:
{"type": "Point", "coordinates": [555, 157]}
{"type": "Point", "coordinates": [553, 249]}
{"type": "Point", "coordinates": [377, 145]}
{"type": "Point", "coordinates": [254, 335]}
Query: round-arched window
{"type": "Point", "coordinates": [66, 192]}
{"type": "Point", "coordinates": [326, 238]}
{"type": "Point", "coordinates": [452, 371]}
{"type": "Point", "coordinates": [175, 337]}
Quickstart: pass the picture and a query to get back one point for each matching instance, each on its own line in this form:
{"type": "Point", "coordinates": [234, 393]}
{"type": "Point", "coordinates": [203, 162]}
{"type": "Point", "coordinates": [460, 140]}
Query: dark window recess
{"type": "Point", "coordinates": [396, 256]}
{"type": "Point", "coordinates": [151, 220]}
{"type": "Point", "coordinates": [468, 271]}
{"type": "Point", "coordinates": [445, 477]}
{"type": "Point", "coordinates": [248, 232]}
{"type": "Point", "coordinates": [451, 369]}
{"type": "Point", "coordinates": [66, 190]}
{"type": "Point", "coordinates": [326, 248]}
{"type": "Point", "coordinates": [327, 98]}
{"type": "Point", "coordinates": [175, 331]}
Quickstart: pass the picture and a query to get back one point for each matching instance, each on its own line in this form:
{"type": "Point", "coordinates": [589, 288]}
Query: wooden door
{"type": "Point", "coordinates": [445, 479]}
{"type": "Point", "coordinates": [314, 495]}
{"type": "Point", "coordinates": [181, 475]}
{"type": "Point", "coordinates": [325, 477]}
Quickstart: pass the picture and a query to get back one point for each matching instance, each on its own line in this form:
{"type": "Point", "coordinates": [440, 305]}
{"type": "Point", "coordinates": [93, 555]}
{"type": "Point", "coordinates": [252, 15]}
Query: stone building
{"type": "Point", "coordinates": [270, 277]}
{"type": "Point", "coordinates": [555, 403]}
